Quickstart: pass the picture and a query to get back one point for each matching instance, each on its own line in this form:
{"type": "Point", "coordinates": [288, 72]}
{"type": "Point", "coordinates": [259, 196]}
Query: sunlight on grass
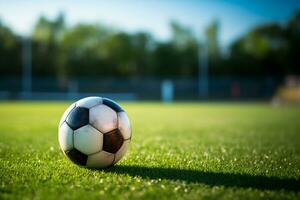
{"type": "Point", "coordinates": [182, 150]}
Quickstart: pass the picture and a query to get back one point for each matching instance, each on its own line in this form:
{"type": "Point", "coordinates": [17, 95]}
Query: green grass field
{"type": "Point", "coordinates": [178, 151]}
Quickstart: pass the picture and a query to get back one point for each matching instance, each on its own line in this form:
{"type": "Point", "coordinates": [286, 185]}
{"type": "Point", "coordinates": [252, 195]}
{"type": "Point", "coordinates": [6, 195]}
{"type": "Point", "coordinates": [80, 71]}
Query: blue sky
{"type": "Point", "coordinates": [235, 17]}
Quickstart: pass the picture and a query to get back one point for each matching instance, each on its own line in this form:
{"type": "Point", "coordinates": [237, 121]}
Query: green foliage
{"type": "Point", "coordinates": [45, 46]}
{"type": "Point", "coordinates": [99, 50]}
{"type": "Point", "coordinates": [293, 44]}
{"type": "Point", "coordinates": [268, 49]}
{"type": "Point", "coordinates": [178, 151]}
{"type": "Point", "coordinates": [211, 33]}
{"type": "Point", "coordinates": [81, 48]}
{"type": "Point", "coordinates": [9, 48]}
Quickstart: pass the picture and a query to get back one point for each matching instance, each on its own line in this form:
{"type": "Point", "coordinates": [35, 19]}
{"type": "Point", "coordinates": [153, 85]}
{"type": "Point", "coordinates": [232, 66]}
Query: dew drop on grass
{"type": "Point", "coordinates": [176, 188]}
{"type": "Point", "coordinates": [223, 150]}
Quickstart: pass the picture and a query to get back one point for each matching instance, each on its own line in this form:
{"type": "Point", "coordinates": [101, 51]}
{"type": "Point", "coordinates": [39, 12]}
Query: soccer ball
{"type": "Point", "coordinates": [94, 132]}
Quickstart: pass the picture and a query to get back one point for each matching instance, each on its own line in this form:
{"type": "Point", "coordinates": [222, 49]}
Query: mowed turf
{"type": "Point", "coordinates": [178, 151]}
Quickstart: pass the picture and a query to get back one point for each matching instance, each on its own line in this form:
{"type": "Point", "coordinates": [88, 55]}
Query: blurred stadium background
{"type": "Point", "coordinates": [150, 50]}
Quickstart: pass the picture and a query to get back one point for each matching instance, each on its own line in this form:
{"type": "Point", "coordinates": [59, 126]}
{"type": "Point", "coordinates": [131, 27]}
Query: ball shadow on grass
{"type": "Point", "coordinates": [210, 178]}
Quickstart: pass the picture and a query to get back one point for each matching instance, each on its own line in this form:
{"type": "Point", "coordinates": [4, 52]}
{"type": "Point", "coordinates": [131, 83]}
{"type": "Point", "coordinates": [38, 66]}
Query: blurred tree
{"type": "Point", "coordinates": [143, 47]}
{"type": "Point", "coordinates": [211, 33]}
{"type": "Point", "coordinates": [120, 54]}
{"type": "Point", "coordinates": [10, 53]}
{"type": "Point", "coordinates": [98, 50]}
{"type": "Point", "coordinates": [166, 60]}
{"type": "Point", "coordinates": [182, 37]}
{"type": "Point", "coordinates": [261, 51]}
{"type": "Point", "coordinates": [82, 50]}
{"type": "Point", "coordinates": [213, 47]}
{"type": "Point", "coordinates": [46, 43]}
{"type": "Point", "coordinates": [293, 44]}
{"type": "Point", "coordinates": [178, 56]}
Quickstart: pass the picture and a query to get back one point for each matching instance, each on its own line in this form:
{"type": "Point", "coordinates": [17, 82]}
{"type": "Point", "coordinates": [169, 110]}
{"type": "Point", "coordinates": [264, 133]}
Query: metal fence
{"type": "Point", "coordinates": [219, 88]}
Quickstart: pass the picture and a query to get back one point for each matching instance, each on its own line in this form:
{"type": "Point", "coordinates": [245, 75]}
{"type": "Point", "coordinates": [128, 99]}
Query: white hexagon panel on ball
{"type": "Point", "coordinates": [65, 137]}
{"type": "Point", "coordinates": [103, 118]}
{"type": "Point", "coordinates": [124, 125]}
{"type": "Point", "coordinates": [88, 140]}
{"type": "Point", "coordinates": [100, 160]}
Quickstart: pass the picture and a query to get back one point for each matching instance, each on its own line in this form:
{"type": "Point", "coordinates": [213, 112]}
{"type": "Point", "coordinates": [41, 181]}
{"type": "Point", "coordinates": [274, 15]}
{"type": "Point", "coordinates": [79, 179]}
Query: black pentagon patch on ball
{"type": "Point", "coordinates": [77, 157]}
{"type": "Point", "coordinates": [78, 117]}
{"type": "Point", "coordinates": [113, 105]}
{"type": "Point", "coordinates": [112, 141]}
